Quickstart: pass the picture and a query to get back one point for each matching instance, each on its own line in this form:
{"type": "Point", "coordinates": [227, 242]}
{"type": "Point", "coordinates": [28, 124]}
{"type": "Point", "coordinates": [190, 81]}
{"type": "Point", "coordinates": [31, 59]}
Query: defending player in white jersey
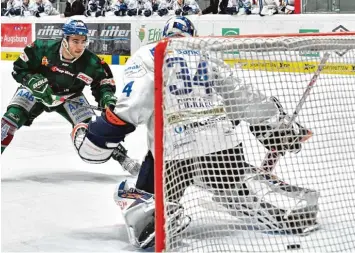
{"type": "Point", "coordinates": [235, 101]}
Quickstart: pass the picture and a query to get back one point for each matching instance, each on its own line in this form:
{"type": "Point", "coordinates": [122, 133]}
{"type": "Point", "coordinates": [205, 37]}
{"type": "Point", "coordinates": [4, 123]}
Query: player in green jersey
{"type": "Point", "coordinates": [50, 71]}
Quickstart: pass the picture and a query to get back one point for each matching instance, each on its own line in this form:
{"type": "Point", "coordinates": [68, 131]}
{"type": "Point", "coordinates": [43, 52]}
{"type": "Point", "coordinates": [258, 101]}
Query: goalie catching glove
{"type": "Point", "coordinates": [277, 134]}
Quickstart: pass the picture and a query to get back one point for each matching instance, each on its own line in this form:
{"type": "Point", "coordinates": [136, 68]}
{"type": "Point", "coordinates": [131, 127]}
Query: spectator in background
{"type": "Point", "coordinates": [120, 8]}
{"type": "Point", "coordinates": [42, 6]}
{"type": "Point", "coordinates": [216, 6]}
{"type": "Point", "coordinates": [287, 6]}
{"type": "Point", "coordinates": [186, 7]}
{"type": "Point", "coordinates": [163, 8]}
{"type": "Point", "coordinates": [13, 8]}
{"type": "Point", "coordinates": [177, 7]}
{"type": "Point", "coordinates": [146, 8]}
{"type": "Point", "coordinates": [3, 5]}
{"type": "Point", "coordinates": [96, 6]}
{"type": "Point", "coordinates": [26, 8]}
{"type": "Point", "coordinates": [74, 7]}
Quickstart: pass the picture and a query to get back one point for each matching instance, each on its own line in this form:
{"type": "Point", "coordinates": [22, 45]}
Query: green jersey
{"type": "Point", "coordinates": [65, 78]}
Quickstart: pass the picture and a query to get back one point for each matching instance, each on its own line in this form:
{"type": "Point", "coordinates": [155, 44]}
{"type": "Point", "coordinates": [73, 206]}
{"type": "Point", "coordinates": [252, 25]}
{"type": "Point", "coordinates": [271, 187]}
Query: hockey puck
{"type": "Point", "coordinates": [293, 246]}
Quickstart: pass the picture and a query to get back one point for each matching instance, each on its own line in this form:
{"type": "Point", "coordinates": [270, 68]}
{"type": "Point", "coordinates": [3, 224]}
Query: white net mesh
{"type": "Point", "coordinates": [217, 123]}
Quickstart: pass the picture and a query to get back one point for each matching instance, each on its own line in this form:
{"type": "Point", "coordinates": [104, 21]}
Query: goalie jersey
{"type": "Point", "coordinates": [188, 94]}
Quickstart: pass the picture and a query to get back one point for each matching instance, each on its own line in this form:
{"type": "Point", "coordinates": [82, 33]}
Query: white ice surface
{"type": "Point", "coordinates": [51, 200]}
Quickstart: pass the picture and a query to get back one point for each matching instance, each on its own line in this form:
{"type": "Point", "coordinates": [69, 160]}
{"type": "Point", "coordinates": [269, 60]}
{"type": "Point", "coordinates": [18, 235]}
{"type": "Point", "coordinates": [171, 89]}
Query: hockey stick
{"type": "Point", "coordinates": [273, 156]}
{"type": "Point", "coordinates": [63, 99]}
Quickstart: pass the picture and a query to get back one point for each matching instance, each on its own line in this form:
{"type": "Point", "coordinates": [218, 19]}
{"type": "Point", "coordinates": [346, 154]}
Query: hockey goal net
{"type": "Point", "coordinates": [307, 202]}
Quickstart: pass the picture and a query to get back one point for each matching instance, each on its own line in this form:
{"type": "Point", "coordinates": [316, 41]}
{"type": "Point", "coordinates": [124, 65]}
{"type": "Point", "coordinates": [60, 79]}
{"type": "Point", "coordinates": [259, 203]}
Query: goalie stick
{"type": "Point", "coordinates": [273, 156]}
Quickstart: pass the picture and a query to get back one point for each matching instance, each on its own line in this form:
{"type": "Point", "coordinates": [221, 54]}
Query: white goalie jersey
{"type": "Point", "coordinates": [188, 91]}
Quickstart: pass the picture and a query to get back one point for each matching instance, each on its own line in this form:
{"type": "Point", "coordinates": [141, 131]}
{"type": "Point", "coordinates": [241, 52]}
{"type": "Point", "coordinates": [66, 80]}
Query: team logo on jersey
{"type": "Point", "coordinates": [44, 61]}
{"type": "Point", "coordinates": [85, 78]}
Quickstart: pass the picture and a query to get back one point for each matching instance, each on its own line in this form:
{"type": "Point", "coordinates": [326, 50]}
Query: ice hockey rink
{"type": "Point", "coordinates": [51, 201]}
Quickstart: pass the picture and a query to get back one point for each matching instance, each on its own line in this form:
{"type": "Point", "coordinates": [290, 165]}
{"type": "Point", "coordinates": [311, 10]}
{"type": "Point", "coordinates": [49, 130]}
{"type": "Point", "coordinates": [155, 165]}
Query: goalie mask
{"type": "Point", "coordinates": [179, 26]}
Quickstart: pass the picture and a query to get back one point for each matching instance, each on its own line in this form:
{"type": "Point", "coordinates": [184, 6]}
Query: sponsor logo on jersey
{"type": "Point", "coordinates": [25, 94]}
{"type": "Point", "coordinates": [62, 71]}
{"type": "Point", "coordinates": [180, 144]}
{"type": "Point", "coordinates": [188, 52]}
{"type": "Point", "coordinates": [24, 57]}
{"type": "Point", "coordinates": [195, 127]}
{"type": "Point", "coordinates": [109, 81]}
{"type": "Point", "coordinates": [85, 78]}
{"type": "Point", "coordinates": [135, 71]}
{"type": "Point", "coordinates": [187, 103]}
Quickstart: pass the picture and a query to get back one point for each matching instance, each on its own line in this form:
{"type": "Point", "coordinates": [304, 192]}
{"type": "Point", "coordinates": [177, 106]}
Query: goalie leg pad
{"type": "Point", "coordinates": [138, 209]}
{"type": "Point", "coordinates": [138, 212]}
{"type": "Point", "coordinates": [102, 137]}
{"type": "Point", "coordinates": [273, 204]}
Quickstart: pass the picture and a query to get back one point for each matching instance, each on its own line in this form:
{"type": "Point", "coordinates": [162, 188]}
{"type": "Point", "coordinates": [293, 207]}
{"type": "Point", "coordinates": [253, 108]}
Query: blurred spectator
{"type": "Point", "coordinates": [232, 7]}
{"type": "Point", "coordinates": [74, 7]}
{"type": "Point", "coordinates": [268, 7]}
{"type": "Point", "coordinates": [3, 5]}
{"type": "Point", "coordinates": [42, 6]}
{"type": "Point", "coordinates": [177, 7]}
{"type": "Point", "coordinates": [120, 8]}
{"type": "Point", "coordinates": [99, 7]}
{"type": "Point", "coordinates": [287, 6]}
{"type": "Point", "coordinates": [26, 8]}
{"type": "Point", "coordinates": [132, 7]}
{"type": "Point", "coordinates": [216, 6]}
{"type": "Point", "coordinates": [147, 8]}
{"type": "Point", "coordinates": [163, 8]}
{"type": "Point", "coordinates": [13, 8]}
{"type": "Point", "coordinates": [186, 7]}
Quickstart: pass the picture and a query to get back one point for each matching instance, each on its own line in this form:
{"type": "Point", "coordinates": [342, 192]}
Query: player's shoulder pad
{"type": "Point", "coordinates": [45, 44]}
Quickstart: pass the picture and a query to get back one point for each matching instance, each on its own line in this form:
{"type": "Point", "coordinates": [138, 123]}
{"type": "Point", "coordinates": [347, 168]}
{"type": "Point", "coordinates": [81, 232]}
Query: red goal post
{"type": "Point", "coordinates": [161, 50]}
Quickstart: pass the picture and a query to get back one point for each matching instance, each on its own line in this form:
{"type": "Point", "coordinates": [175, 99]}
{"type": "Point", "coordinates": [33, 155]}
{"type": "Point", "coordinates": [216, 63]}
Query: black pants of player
{"type": "Point", "coordinates": [219, 170]}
